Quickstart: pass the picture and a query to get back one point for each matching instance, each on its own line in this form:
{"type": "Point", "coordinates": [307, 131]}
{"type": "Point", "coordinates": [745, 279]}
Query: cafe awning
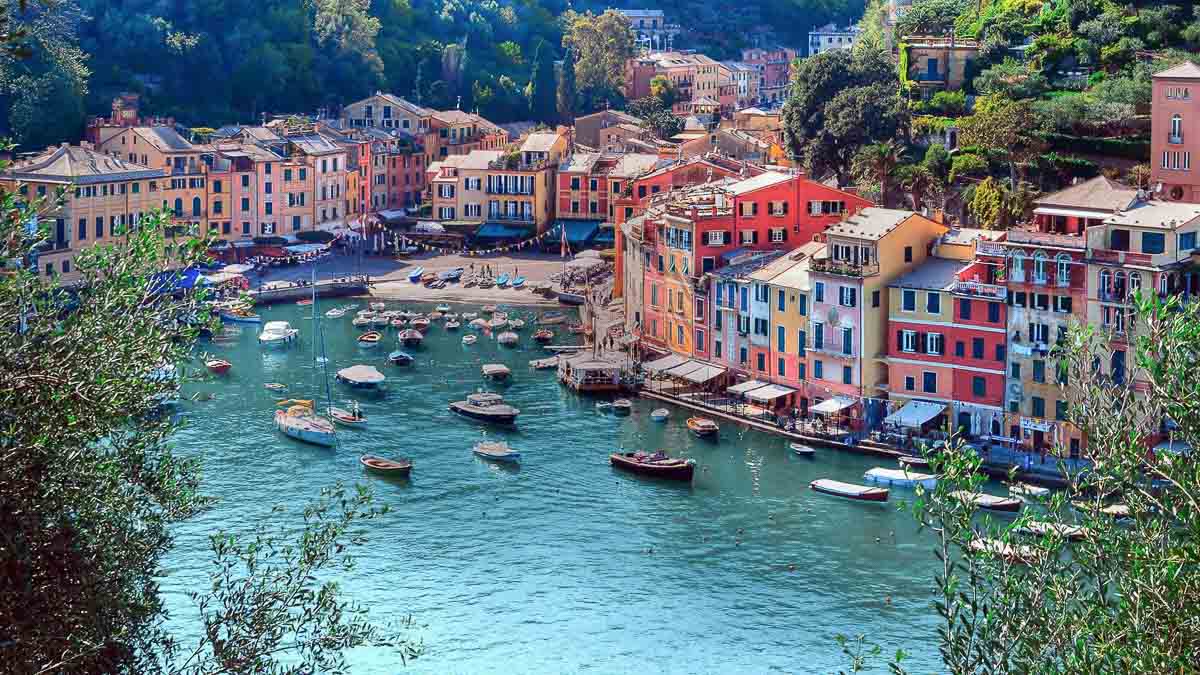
{"type": "Point", "coordinates": [704, 373]}
{"type": "Point", "coordinates": [680, 371]}
{"type": "Point", "coordinates": [665, 363]}
{"type": "Point", "coordinates": [831, 406]}
{"type": "Point", "coordinates": [915, 414]}
{"type": "Point", "coordinates": [769, 393]}
{"type": "Point", "coordinates": [749, 385]}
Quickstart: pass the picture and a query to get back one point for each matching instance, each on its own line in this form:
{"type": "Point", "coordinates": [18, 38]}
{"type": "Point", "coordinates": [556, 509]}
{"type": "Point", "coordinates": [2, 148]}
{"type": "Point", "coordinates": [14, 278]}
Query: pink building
{"type": "Point", "coordinates": [1175, 133]}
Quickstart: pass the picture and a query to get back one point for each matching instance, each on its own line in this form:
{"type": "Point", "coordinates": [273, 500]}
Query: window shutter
{"type": "Point", "coordinates": [921, 343]}
{"type": "Point", "coordinates": [784, 230]}
{"type": "Point", "coordinates": [853, 297]}
{"type": "Point", "coordinates": [754, 234]}
{"type": "Point", "coordinates": [899, 340]}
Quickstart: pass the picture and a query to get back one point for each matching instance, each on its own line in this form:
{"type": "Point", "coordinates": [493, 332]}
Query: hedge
{"type": "Point", "coordinates": [1137, 149]}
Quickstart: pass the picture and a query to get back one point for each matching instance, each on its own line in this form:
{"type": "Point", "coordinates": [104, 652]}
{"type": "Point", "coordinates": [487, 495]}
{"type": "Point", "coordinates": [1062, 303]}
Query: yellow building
{"type": "Point", "coordinates": [185, 191]}
{"type": "Point", "coordinates": [103, 195]}
{"type": "Point", "coordinates": [520, 185]}
{"type": "Point", "coordinates": [385, 111]}
{"type": "Point", "coordinates": [789, 291]}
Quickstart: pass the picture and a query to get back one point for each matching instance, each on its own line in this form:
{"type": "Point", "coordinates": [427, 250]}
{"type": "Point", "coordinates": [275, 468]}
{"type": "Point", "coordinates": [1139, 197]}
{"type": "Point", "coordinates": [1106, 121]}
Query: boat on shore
{"type": "Point", "coordinates": [495, 371]}
{"type": "Point", "coordinates": [300, 422]}
{"type": "Point", "coordinates": [387, 467]}
{"type": "Point", "coordinates": [218, 366]}
{"type": "Point", "coordinates": [802, 449]}
{"type": "Point", "coordinates": [502, 281]}
{"type": "Point", "coordinates": [1038, 528]}
{"type": "Point", "coordinates": [518, 282]}
{"type": "Point", "coordinates": [703, 427]}
{"type": "Point", "coordinates": [912, 462]}
{"type": "Point", "coordinates": [574, 299]}
{"type": "Point", "coordinates": [361, 377]}
{"type": "Point", "coordinates": [660, 415]}
{"type": "Point", "coordinates": [863, 493]}
{"type": "Point", "coordinates": [900, 478]}
{"type": "Point", "coordinates": [277, 333]}
{"type": "Point", "coordinates": [551, 318]}
{"type": "Point", "coordinates": [369, 339]}
{"type": "Point", "coordinates": [486, 407]}
{"type": "Point", "coordinates": [497, 451]}
{"type": "Point", "coordinates": [415, 275]}
{"type": "Point", "coordinates": [411, 337]}
{"type": "Point", "coordinates": [988, 502]}
{"type": "Point", "coordinates": [657, 465]}
{"type": "Point", "coordinates": [1016, 554]}
{"type": "Point", "coordinates": [401, 358]}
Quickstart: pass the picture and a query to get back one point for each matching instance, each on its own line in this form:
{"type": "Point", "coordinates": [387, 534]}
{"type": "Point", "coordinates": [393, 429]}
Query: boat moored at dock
{"type": "Point", "coordinates": [703, 427]}
{"type": "Point", "coordinates": [837, 488]}
{"type": "Point", "coordinates": [988, 502]}
{"type": "Point", "coordinates": [277, 334]}
{"type": "Point", "coordinates": [900, 478]}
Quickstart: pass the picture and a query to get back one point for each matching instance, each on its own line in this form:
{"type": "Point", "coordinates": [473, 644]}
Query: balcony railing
{"type": "Point", "coordinates": [832, 350]}
{"type": "Point", "coordinates": [979, 289]}
{"type": "Point", "coordinates": [510, 218]}
{"type": "Point", "coordinates": [843, 268]}
{"type": "Point", "coordinates": [1121, 257]}
{"type": "Point", "coordinates": [991, 248]}
{"type": "Point", "coordinates": [1174, 139]}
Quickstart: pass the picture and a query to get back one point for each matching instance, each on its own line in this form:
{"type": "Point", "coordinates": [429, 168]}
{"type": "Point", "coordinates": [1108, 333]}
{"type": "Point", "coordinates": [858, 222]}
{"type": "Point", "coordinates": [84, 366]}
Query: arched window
{"type": "Point", "coordinates": [1119, 285]}
{"type": "Point", "coordinates": [195, 206]}
{"type": "Point", "coordinates": [1163, 284]}
{"type": "Point", "coordinates": [1063, 272]}
{"type": "Point", "coordinates": [1176, 127]}
{"type": "Point", "coordinates": [1135, 283]}
{"type": "Point", "coordinates": [1039, 267]}
{"type": "Point", "coordinates": [1106, 287]}
{"type": "Point", "coordinates": [1018, 266]}
{"type": "Point", "coordinates": [178, 207]}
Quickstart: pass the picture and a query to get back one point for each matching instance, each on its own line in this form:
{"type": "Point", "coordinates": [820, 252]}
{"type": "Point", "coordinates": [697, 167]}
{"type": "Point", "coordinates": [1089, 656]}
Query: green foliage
{"type": "Point", "coordinates": [875, 163]}
{"type": "Point", "coordinates": [1012, 79]}
{"type": "Point", "coordinates": [568, 93]}
{"type": "Point", "coordinates": [965, 165]}
{"type": "Point", "coordinates": [44, 84]}
{"type": "Point", "coordinates": [542, 86]}
{"type": "Point", "coordinates": [949, 103]}
{"type": "Point", "coordinates": [937, 162]}
{"type": "Point", "coordinates": [1002, 124]}
{"type": "Point", "coordinates": [656, 117]}
{"type": "Point", "coordinates": [601, 44]}
{"type": "Point", "coordinates": [1125, 148]}
{"type": "Point", "coordinates": [664, 90]}
{"type": "Point", "coordinates": [930, 17]}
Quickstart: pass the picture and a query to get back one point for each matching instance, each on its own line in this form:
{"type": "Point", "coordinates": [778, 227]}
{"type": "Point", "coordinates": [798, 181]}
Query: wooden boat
{"type": "Point", "coordinates": [988, 502]}
{"type": "Point", "coordinates": [622, 406]}
{"type": "Point", "coordinates": [240, 315]}
{"type": "Point", "coordinates": [452, 325]}
{"type": "Point", "coordinates": [496, 371]}
{"type": "Point", "coordinates": [300, 422]}
{"type": "Point", "coordinates": [1027, 491]}
{"type": "Point", "coordinates": [369, 339]}
{"type": "Point", "coordinates": [837, 488]}
{"type": "Point", "coordinates": [401, 358]}
{"type": "Point", "coordinates": [336, 313]}
{"type": "Point", "coordinates": [660, 415]}
{"type": "Point", "coordinates": [469, 282]}
{"type": "Point", "coordinates": [361, 377]}
{"type": "Point", "coordinates": [518, 282]}
{"type": "Point", "coordinates": [913, 462]}
{"type": "Point", "coordinates": [567, 298]}
{"type": "Point", "coordinates": [469, 339]}
{"type": "Point", "coordinates": [497, 451]}
{"type": "Point", "coordinates": [377, 306]}
{"type": "Point", "coordinates": [900, 478]}
{"type": "Point", "coordinates": [347, 418]}
{"type": "Point", "coordinates": [1038, 528]}
{"type": "Point", "coordinates": [502, 281]}
{"type": "Point", "coordinates": [486, 283]}
{"type": "Point", "coordinates": [387, 467]}
{"type": "Point", "coordinates": [702, 426]}
{"type": "Point", "coordinates": [411, 337]}
{"type": "Point", "coordinates": [275, 386]}
{"type": "Point", "coordinates": [443, 308]}
{"type": "Point", "coordinates": [543, 336]}
{"type": "Point", "coordinates": [1017, 554]}
{"type": "Point", "coordinates": [657, 465]}
{"type": "Point", "coordinates": [380, 321]}
{"type": "Point", "coordinates": [508, 339]}
{"type": "Point", "coordinates": [415, 275]}
{"type": "Point", "coordinates": [218, 366]}
{"type": "Point", "coordinates": [399, 323]}
{"type": "Point", "coordinates": [305, 302]}
{"type": "Point", "coordinates": [803, 450]}
{"type": "Point", "coordinates": [420, 323]}
{"type": "Point", "coordinates": [497, 323]}
{"type": "Point", "coordinates": [486, 407]}
{"type": "Point", "coordinates": [360, 321]}
{"type": "Point", "coordinates": [551, 318]}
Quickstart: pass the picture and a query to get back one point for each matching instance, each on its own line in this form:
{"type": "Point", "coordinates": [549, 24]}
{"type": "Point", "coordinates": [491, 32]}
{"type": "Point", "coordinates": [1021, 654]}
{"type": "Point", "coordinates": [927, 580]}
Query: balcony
{"type": "Point", "coordinates": [991, 248]}
{"type": "Point", "coordinates": [843, 268]}
{"type": "Point", "coordinates": [510, 218]}
{"type": "Point", "coordinates": [1174, 139]}
{"type": "Point", "coordinates": [1121, 257]}
{"type": "Point", "coordinates": [979, 289]}
{"type": "Point", "coordinates": [832, 350]}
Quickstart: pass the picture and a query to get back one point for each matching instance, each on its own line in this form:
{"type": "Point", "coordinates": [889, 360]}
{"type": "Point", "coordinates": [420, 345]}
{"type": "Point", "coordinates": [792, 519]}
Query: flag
{"type": "Point", "coordinates": [564, 249]}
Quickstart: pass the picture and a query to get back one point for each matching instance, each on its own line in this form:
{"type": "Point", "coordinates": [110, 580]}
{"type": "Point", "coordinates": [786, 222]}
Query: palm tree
{"type": "Point", "coordinates": [876, 163]}
{"type": "Point", "coordinates": [917, 180]}
{"type": "Point", "coordinates": [1018, 202]}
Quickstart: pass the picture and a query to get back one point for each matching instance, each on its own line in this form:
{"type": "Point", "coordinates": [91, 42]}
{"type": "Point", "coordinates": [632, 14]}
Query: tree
{"type": "Point", "coordinates": [876, 163]}
{"type": "Point", "coordinates": [601, 45]}
{"type": "Point", "coordinates": [987, 204]}
{"type": "Point", "coordinates": [542, 105]}
{"type": "Point", "coordinates": [853, 119]}
{"type": "Point", "coordinates": [1139, 176]}
{"type": "Point", "coordinates": [568, 96]}
{"type": "Point", "coordinates": [44, 76]}
{"type": "Point", "coordinates": [1004, 125]}
{"type": "Point", "coordinates": [664, 90]}
{"type": "Point", "coordinates": [917, 181]}
{"type": "Point", "coordinates": [930, 17]}
{"type": "Point", "coordinates": [90, 489]}
{"type": "Point", "coordinates": [656, 118]}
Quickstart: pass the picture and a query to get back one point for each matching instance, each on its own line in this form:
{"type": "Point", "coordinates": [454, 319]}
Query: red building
{"type": "Point", "coordinates": [783, 211]}
{"type": "Point", "coordinates": [588, 182]}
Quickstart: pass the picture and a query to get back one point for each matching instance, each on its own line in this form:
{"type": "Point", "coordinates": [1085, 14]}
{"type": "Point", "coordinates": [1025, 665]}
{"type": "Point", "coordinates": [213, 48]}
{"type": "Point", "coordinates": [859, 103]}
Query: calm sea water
{"type": "Point", "coordinates": [563, 565]}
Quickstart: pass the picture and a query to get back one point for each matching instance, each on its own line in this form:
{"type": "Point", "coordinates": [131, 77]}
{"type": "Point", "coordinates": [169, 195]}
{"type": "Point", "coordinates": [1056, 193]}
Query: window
{"type": "Point", "coordinates": [847, 296]}
{"type": "Point", "coordinates": [1041, 301]}
{"type": "Point", "coordinates": [960, 349]}
{"type": "Point", "coordinates": [780, 302]}
{"type": "Point", "coordinates": [933, 303]}
{"type": "Point", "coordinates": [935, 343]}
{"type": "Point", "coordinates": [908, 341]}
{"type": "Point", "coordinates": [1014, 371]}
{"type": "Point", "coordinates": [993, 312]}
{"type": "Point", "coordinates": [1187, 241]}
{"type": "Point", "coordinates": [1176, 129]}
{"type": "Point", "coordinates": [1153, 242]}
{"type": "Point", "coordinates": [908, 254]}
{"type": "Point", "coordinates": [267, 208]}
{"type": "Point", "coordinates": [778, 235]}
{"type": "Point", "coordinates": [818, 370]}
{"type": "Point", "coordinates": [978, 386]}
{"type": "Point", "coordinates": [245, 180]}
{"type": "Point", "coordinates": [1060, 410]}
{"type": "Point", "coordinates": [574, 182]}
{"type": "Point", "coordinates": [1018, 299]}
{"type": "Point", "coordinates": [929, 382]}
{"type": "Point", "coordinates": [910, 383]}
{"type": "Point", "coordinates": [1039, 406]}
{"type": "Point", "coordinates": [1039, 267]}
{"type": "Point", "coordinates": [780, 339]}
{"type": "Point", "coordinates": [745, 356]}
{"type": "Point", "coordinates": [847, 375]}
{"type": "Point", "coordinates": [819, 291]}
{"type": "Point", "coordinates": [964, 309]}
{"type": "Point", "coordinates": [717, 348]}
{"type": "Point", "coordinates": [801, 342]}
{"type": "Point", "coordinates": [1062, 304]}
{"type": "Point", "coordinates": [802, 304]}
{"type": "Point", "coordinates": [818, 330]}
{"type": "Point", "coordinates": [1062, 271]}
{"type": "Point", "coordinates": [1039, 370]}
{"type": "Point", "coordinates": [1039, 333]}
{"type": "Point", "coordinates": [874, 298]}
{"type": "Point", "coordinates": [1119, 240]}
{"type": "Point", "coordinates": [1001, 353]}
{"type": "Point", "coordinates": [716, 238]}
{"type": "Point", "coordinates": [782, 368]}
{"type": "Point", "coordinates": [848, 341]}
{"type": "Point", "coordinates": [977, 348]}
{"type": "Point", "coordinates": [908, 300]}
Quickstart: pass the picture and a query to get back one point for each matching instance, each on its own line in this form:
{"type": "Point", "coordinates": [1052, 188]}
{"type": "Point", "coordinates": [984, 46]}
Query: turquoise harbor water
{"type": "Point", "coordinates": [563, 565]}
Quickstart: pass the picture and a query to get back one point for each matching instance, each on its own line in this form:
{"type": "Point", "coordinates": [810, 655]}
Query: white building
{"type": "Point", "coordinates": [651, 28]}
{"type": "Point", "coordinates": [829, 37]}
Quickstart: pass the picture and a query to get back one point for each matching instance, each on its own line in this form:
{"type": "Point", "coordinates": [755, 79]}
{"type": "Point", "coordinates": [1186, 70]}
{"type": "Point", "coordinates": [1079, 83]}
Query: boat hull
{"type": "Point", "coordinates": [510, 458]}
{"type": "Point", "coordinates": [675, 470]}
{"type": "Point", "coordinates": [858, 493]}
{"type": "Point", "coordinates": [491, 418]}
{"type": "Point", "coordinates": [236, 318]}
{"type": "Point", "coordinates": [386, 467]}
{"type": "Point", "coordinates": [310, 436]}
{"type": "Point", "coordinates": [571, 298]}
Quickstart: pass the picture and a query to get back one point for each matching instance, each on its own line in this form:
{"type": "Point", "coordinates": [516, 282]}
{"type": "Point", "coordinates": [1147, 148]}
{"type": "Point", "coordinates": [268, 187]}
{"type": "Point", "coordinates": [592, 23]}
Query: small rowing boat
{"type": "Point", "coordinates": [702, 426]}
{"type": "Point", "coordinates": [411, 337]}
{"type": "Point", "coordinates": [305, 302]}
{"type": "Point", "coordinates": [658, 465]}
{"type": "Point", "coordinates": [218, 366]}
{"type": "Point", "coordinates": [837, 488]}
{"type": "Point", "coordinates": [497, 451]}
{"type": "Point", "coordinates": [452, 325]}
{"type": "Point", "coordinates": [518, 282]}
{"type": "Point", "coordinates": [400, 358]}
{"type": "Point", "coordinates": [496, 371]}
{"type": "Point", "coordinates": [275, 386]}
{"type": "Point", "coordinates": [386, 466]}
{"type": "Point", "coordinates": [369, 339]}
{"type": "Point", "coordinates": [360, 321]}
{"type": "Point", "coordinates": [1038, 528]}
{"type": "Point", "coordinates": [543, 336]}
{"type": "Point", "coordinates": [988, 502]}
{"type": "Point", "coordinates": [660, 415]}
{"type": "Point", "coordinates": [900, 478]}
{"type": "Point", "coordinates": [508, 339]}
{"type": "Point", "coordinates": [1021, 555]}
{"type": "Point", "coordinates": [516, 324]}
{"type": "Point", "coordinates": [469, 339]}
{"type": "Point", "coordinates": [551, 318]}
{"type": "Point", "coordinates": [399, 323]}
{"type": "Point", "coordinates": [420, 323]}
{"type": "Point", "coordinates": [803, 450]}
{"type": "Point", "coordinates": [415, 275]}
{"type": "Point", "coordinates": [348, 418]}
{"type": "Point", "coordinates": [335, 313]}
{"type": "Point", "coordinates": [913, 462]}
{"type": "Point", "coordinates": [622, 406]}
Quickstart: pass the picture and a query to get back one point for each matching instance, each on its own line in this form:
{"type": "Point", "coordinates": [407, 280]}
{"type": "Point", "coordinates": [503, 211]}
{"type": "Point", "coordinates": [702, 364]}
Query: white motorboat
{"type": "Point", "coordinates": [336, 313]}
{"type": "Point", "coordinates": [361, 321]}
{"type": "Point", "coordinates": [496, 371]}
{"type": "Point", "coordinates": [486, 407]}
{"type": "Point", "coordinates": [900, 478]}
{"type": "Point", "coordinates": [660, 415]}
{"type": "Point", "coordinates": [508, 338]}
{"type": "Point", "coordinates": [469, 339]}
{"type": "Point", "coordinates": [277, 333]}
{"type": "Point", "coordinates": [467, 316]}
{"type": "Point", "coordinates": [802, 449]}
{"type": "Point", "coordinates": [361, 377]}
{"type": "Point", "coordinates": [497, 451]}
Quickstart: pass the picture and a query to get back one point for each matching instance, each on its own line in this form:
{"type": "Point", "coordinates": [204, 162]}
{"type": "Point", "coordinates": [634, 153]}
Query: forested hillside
{"type": "Point", "coordinates": [209, 62]}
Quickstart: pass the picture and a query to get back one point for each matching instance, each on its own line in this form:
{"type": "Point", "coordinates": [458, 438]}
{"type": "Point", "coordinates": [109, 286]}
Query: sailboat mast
{"type": "Point", "coordinates": [321, 337]}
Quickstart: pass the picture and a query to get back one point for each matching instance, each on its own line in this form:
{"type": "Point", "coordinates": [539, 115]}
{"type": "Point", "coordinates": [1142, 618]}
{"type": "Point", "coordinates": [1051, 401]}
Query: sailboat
{"type": "Point", "coordinates": [300, 419]}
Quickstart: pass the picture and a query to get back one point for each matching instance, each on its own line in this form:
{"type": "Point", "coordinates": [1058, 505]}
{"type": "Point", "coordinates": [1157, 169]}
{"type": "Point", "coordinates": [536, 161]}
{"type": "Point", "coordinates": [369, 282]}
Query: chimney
{"type": "Point", "coordinates": [939, 216]}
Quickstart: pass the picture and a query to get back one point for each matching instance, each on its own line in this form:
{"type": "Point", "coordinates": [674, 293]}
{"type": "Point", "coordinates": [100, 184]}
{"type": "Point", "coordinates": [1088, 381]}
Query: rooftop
{"type": "Point", "coordinates": [1184, 71]}
{"type": "Point", "coordinates": [1155, 213]}
{"type": "Point", "coordinates": [164, 139]}
{"type": "Point", "coordinates": [1097, 194]}
{"type": "Point", "coordinates": [967, 235]}
{"type": "Point", "coordinates": [872, 223]}
{"type": "Point", "coordinates": [742, 270]}
{"type": "Point", "coordinates": [633, 164]}
{"type": "Point", "coordinates": [580, 162]}
{"type": "Point", "coordinates": [796, 276]}
{"type": "Point", "coordinates": [935, 274]}
{"type": "Point", "coordinates": [315, 144]}
{"type": "Point", "coordinates": [478, 159]}
{"type": "Point", "coordinates": [541, 141]}
{"type": "Point", "coordinates": [762, 180]}
{"type": "Point", "coordinates": [80, 165]}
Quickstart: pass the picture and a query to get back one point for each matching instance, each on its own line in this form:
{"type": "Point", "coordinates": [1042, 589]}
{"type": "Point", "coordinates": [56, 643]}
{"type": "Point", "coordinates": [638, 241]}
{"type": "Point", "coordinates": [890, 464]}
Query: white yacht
{"type": "Point", "coordinates": [276, 333]}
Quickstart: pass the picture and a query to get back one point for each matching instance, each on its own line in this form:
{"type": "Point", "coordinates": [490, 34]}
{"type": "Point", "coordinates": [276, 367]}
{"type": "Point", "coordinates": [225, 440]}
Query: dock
{"type": "Point", "coordinates": [565, 349]}
{"type": "Point", "coordinates": [324, 289]}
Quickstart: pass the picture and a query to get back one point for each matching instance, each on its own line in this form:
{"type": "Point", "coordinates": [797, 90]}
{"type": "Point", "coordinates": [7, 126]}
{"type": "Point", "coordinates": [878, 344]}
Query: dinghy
{"type": "Point", "coordinates": [452, 325]}
{"type": "Point", "coordinates": [502, 281]}
{"type": "Point", "coordinates": [900, 478]}
{"type": "Point", "coordinates": [386, 467]}
{"type": "Point", "coordinates": [496, 371]}
{"type": "Point", "coordinates": [518, 282]}
{"type": "Point", "coordinates": [415, 275]}
{"type": "Point", "coordinates": [370, 339]}
{"type": "Point", "coordinates": [702, 426]}
{"type": "Point", "coordinates": [660, 415]}
{"type": "Point", "coordinates": [1027, 491]}
{"type": "Point", "coordinates": [218, 366]}
{"type": "Point", "coordinates": [401, 358]}
{"type": "Point", "coordinates": [508, 339]}
{"type": "Point", "coordinates": [411, 337]}
{"type": "Point", "coordinates": [657, 465]}
{"type": "Point", "coordinates": [837, 488]}
{"type": "Point", "coordinates": [802, 449]}
{"type": "Point", "coordinates": [988, 502]}
{"type": "Point", "coordinates": [348, 418]}
{"type": "Point", "coordinates": [497, 451]}
{"type": "Point", "coordinates": [469, 339]}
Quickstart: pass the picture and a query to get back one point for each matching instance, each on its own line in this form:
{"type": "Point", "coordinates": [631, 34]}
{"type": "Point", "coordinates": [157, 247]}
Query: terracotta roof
{"type": "Point", "coordinates": [1184, 71]}
{"type": "Point", "coordinates": [164, 139]}
{"type": "Point", "coordinates": [1097, 194]}
{"type": "Point", "coordinates": [542, 141]}
{"type": "Point", "coordinates": [758, 182]}
{"type": "Point", "coordinates": [479, 159]}
{"type": "Point", "coordinates": [82, 166]}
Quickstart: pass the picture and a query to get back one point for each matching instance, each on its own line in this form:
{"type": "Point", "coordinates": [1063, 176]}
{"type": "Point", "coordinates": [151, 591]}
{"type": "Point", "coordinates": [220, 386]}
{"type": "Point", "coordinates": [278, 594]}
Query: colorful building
{"type": "Point", "coordinates": [1175, 132]}
{"type": "Point", "coordinates": [589, 182]}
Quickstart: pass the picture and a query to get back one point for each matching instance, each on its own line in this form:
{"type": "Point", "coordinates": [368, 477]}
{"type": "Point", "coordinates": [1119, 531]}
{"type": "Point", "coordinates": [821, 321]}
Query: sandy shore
{"type": "Point", "coordinates": [389, 277]}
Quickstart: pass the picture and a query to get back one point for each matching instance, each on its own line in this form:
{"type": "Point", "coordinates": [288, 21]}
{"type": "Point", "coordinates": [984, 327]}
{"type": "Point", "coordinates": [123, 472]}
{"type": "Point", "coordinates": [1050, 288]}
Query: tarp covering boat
{"type": "Point", "coordinates": [364, 375]}
{"type": "Point", "coordinates": [915, 414]}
